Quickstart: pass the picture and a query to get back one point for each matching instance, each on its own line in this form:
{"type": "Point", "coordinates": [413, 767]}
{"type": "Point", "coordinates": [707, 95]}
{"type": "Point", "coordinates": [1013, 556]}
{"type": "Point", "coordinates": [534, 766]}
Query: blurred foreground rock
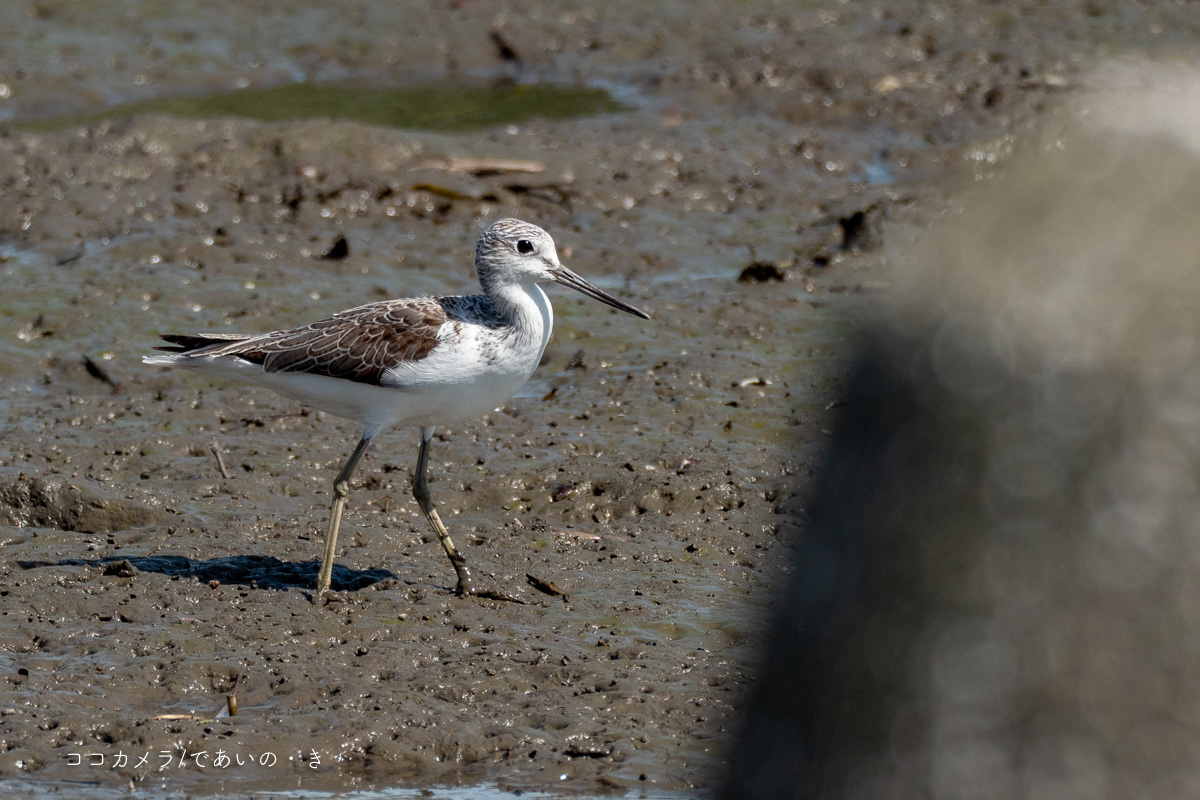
{"type": "Point", "coordinates": [998, 592]}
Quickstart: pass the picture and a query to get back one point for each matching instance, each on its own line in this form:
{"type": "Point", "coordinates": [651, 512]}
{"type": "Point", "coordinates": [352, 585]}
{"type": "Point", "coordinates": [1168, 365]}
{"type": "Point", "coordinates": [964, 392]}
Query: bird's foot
{"type": "Point", "coordinates": [320, 598]}
{"type": "Point", "coordinates": [496, 594]}
{"type": "Point", "coordinates": [467, 588]}
{"type": "Point", "coordinates": [466, 585]}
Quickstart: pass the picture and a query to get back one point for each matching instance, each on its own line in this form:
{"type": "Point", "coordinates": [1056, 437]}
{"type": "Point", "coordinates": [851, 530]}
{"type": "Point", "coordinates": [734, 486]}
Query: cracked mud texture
{"type": "Point", "coordinates": [655, 472]}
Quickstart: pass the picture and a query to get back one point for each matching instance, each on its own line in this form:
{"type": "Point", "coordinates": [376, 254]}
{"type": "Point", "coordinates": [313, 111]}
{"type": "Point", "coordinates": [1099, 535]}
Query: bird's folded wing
{"type": "Point", "coordinates": [358, 344]}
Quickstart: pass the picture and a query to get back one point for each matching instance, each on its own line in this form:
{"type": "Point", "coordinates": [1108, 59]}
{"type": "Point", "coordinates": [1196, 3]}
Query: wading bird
{"type": "Point", "coordinates": [419, 362]}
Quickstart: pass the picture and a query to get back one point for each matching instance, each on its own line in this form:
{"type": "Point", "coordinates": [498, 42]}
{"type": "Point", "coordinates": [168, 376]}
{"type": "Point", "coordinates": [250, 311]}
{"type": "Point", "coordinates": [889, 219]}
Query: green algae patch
{"type": "Point", "coordinates": [445, 108]}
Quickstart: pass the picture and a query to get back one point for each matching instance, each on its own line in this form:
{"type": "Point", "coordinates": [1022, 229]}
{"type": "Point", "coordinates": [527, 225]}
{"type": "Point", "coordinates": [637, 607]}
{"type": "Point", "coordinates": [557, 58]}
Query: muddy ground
{"type": "Point", "coordinates": [655, 472]}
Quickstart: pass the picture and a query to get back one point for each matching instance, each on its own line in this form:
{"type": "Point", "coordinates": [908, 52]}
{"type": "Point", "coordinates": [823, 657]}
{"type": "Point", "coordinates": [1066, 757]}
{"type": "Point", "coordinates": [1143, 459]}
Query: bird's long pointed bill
{"type": "Point", "coordinates": [567, 278]}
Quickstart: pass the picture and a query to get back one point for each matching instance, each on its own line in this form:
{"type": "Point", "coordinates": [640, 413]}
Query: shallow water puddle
{"type": "Point", "coordinates": [436, 107]}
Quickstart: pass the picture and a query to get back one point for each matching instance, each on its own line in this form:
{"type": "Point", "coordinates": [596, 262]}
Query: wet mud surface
{"type": "Point", "coordinates": [654, 472]}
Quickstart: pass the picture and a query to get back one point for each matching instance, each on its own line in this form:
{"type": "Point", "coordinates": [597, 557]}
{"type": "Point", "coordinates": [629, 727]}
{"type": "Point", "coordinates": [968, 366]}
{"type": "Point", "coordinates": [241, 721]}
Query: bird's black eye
{"type": "Point", "coordinates": [524, 247]}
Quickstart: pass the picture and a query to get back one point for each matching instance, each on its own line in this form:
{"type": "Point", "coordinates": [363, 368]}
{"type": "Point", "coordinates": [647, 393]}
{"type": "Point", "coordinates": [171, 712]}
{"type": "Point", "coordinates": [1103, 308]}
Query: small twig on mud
{"type": "Point", "coordinates": [384, 504]}
{"type": "Point", "coordinates": [545, 587]}
{"type": "Point", "coordinates": [100, 374]}
{"type": "Point", "coordinates": [495, 594]}
{"type": "Point", "coordinates": [216, 449]}
{"type": "Point", "coordinates": [591, 537]}
{"type": "Point", "coordinates": [443, 191]}
{"type": "Point", "coordinates": [505, 50]}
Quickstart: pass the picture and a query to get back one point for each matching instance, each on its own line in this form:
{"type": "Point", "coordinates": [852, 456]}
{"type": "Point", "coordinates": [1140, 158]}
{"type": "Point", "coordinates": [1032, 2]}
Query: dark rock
{"type": "Point", "coordinates": [760, 272]}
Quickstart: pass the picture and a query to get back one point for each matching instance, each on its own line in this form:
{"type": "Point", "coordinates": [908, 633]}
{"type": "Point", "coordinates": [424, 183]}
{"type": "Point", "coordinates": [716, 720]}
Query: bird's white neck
{"type": "Point", "coordinates": [547, 311]}
{"type": "Point", "coordinates": [527, 307]}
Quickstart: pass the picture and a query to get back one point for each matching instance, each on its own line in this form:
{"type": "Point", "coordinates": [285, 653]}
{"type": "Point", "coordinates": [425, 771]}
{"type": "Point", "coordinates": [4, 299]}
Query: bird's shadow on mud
{"type": "Point", "coordinates": [260, 572]}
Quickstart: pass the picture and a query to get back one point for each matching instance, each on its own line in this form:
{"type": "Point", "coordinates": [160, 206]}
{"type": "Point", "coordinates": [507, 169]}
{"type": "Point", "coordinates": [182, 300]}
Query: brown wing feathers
{"type": "Point", "coordinates": [358, 344]}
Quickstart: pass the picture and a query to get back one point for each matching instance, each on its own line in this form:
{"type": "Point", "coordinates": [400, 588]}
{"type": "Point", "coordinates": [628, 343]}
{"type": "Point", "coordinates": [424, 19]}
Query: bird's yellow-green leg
{"type": "Point", "coordinates": [420, 489]}
{"type": "Point", "coordinates": [341, 490]}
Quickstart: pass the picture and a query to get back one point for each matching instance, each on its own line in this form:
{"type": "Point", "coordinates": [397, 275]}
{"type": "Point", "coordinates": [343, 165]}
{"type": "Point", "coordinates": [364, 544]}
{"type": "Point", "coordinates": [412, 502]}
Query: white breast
{"type": "Point", "coordinates": [474, 369]}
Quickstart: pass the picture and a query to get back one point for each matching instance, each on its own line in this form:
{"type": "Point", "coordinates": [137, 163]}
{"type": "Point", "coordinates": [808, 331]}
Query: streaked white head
{"type": "Point", "coordinates": [512, 251]}
{"type": "Point", "coordinates": [515, 251]}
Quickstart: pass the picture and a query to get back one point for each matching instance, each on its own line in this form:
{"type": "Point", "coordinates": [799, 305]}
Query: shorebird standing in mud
{"type": "Point", "coordinates": [419, 362]}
